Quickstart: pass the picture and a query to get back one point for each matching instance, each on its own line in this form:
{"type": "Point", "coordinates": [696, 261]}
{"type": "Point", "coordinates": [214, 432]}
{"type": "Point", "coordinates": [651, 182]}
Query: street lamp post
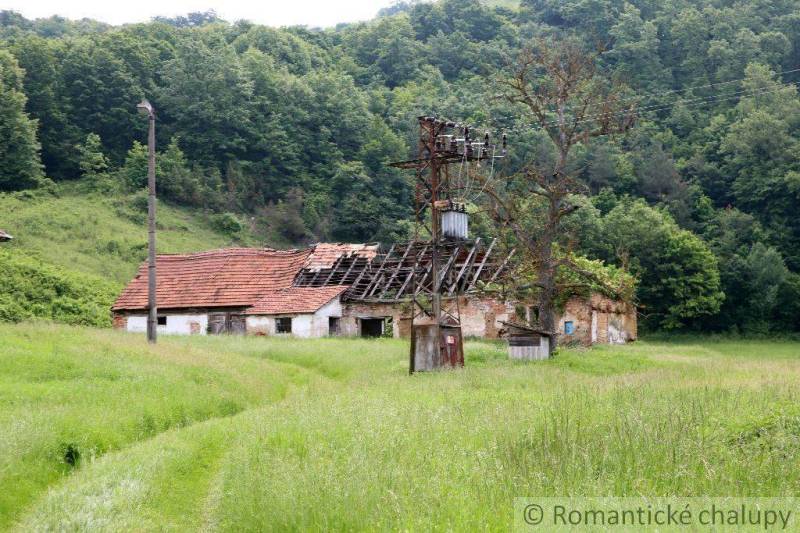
{"type": "Point", "coordinates": [152, 318]}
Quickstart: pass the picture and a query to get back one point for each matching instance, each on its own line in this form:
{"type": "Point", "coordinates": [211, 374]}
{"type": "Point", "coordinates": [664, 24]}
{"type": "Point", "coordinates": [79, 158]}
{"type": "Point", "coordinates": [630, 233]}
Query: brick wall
{"type": "Point", "coordinates": [119, 321]}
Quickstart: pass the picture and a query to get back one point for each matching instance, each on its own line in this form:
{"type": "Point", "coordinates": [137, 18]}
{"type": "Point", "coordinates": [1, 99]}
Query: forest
{"type": "Point", "coordinates": [290, 131]}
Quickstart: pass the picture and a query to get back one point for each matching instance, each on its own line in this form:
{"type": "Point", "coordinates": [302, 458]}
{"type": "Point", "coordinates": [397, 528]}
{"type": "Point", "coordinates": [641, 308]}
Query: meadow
{"type": "Point", "coordinates": [98, 430]}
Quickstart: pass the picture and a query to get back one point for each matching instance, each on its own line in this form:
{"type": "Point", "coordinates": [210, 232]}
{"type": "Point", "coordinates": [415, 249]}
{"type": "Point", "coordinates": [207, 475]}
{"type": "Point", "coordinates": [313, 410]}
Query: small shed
{"type": "Point", "coordinates": [526, 343]}
{"type": "Point", "coordinates": [5, 236]}
{"type": "Point", "coordinates": [436, 346]}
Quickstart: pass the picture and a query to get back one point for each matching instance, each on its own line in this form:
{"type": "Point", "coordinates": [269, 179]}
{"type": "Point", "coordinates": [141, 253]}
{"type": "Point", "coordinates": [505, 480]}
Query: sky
{"type": "Point", "coordinates": [322, 13]}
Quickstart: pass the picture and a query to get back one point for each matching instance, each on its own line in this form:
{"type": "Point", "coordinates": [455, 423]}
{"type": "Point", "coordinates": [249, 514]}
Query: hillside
{"type": "Point", "coordinates": [293, 130]}
{"type": "Point", "coordinates": [101, 431]}
{"type": "Point", "coordinates": [79, 247]}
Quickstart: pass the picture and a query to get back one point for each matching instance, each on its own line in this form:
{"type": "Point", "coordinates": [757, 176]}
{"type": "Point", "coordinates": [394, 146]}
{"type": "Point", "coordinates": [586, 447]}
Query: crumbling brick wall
{"type": "Point", "coordinates": [598, 319]}
{"type": "Point", "coordinates": [480, 317]}
{"type": "Point", "coordinates": [119, 321]}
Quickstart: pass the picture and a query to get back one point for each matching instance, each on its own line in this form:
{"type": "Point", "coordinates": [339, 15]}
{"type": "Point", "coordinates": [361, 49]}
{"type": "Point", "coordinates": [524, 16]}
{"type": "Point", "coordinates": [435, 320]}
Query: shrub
{"type": "Point", "coordinates": [226, 223]}
{"type": "Point", "coordinates": [32, 289]}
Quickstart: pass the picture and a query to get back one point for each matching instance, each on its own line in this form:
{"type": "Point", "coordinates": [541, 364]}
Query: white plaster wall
{"type": "Point", "coordinates": [260, 325]}
{"type": "Point", "coordinates": [305, 325]}
{"type": "Point", "coordinates": [137, 323]}
{"type": "Point", "coordinates": [320, 326]}
{"type": "Point", "coordinates": [182, 324]}
{"type": "Point", "coordinates": [176, 324]}
{"type": "Point", "coordinates": [302, 325]}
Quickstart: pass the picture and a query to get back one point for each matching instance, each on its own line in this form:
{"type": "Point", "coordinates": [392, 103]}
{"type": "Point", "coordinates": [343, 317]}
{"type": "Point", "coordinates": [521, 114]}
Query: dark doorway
{"type": "Point", "coordinates": [371, 327]}
{"type": "Point", "coordinates": [333, 326]}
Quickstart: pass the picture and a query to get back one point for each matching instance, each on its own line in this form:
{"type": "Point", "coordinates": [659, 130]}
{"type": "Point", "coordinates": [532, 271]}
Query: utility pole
{"type": "Point", "coordinates": [152, 318]}
{"type": "Point", "coordinates": [436, 341]}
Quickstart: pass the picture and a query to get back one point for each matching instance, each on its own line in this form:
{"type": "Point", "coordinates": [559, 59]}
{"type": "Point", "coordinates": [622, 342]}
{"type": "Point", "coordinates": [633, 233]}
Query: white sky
{"type": "Point", "coordinates": [322, 13]}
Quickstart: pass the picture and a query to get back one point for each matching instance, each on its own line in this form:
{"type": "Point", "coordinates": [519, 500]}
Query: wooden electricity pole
{"type": "Point", "coordinates": [152, 317]}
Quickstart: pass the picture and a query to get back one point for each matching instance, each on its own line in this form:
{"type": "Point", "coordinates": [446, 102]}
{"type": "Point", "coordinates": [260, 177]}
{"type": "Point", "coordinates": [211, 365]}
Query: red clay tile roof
{"type": "Point", "coordinates": [295, 300]}
{"type": "Point", "coordinates": [232, 277]}
{"type": "Point", "coordinates": [325, 254]}
{"type": "Point", "coordinates": [5, 236]}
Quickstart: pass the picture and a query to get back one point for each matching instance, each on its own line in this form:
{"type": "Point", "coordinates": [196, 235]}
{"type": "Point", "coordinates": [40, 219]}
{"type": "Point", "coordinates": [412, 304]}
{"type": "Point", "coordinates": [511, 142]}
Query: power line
{"type": "Point", "coordinates": [644, 96]}
{"type": "Point", "coordinates": [692, 103]}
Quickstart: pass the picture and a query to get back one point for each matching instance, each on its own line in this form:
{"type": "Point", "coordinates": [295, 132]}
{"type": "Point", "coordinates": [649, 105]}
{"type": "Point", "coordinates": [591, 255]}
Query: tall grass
{"type": "Point", "coordinates": [332, 434]}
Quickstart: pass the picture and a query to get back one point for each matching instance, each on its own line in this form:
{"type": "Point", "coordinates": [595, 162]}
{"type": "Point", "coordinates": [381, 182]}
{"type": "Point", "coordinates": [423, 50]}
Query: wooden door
{"type": "Point", "coordinates": [238, 325]}
{"type": "Point", "coordinates": [451, 347]}
{"type": "Point", "coordinates": [217, 323]}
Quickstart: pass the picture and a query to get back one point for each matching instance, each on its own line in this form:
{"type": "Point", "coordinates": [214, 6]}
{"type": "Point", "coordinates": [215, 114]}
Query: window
{"type": "Point", "coordinates": [569, 327]}
{"type": "Point", "coordinates": [333, 325]}
{"type": "Point", "coordinates": [283, 325]}
{"type": "Point", "coordinates": [162, 321]}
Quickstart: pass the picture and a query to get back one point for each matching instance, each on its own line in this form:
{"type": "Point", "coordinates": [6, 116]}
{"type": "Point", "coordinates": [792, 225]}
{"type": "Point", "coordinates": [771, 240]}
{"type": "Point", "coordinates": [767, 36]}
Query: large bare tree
{"type": "Point", "coordinates": [559, 89]}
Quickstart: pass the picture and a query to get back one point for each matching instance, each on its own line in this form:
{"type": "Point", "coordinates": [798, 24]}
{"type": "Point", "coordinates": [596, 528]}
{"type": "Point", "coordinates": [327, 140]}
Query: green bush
{"type": "Point", "coordinates": [31, 289]}
{"type": "Point", "coordinates": [226, 223]}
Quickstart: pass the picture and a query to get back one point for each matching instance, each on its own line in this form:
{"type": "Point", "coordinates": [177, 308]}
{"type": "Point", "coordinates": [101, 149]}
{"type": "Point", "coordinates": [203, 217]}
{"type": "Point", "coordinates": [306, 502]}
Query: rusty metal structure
{"type": "Point", "coordinates": [436, 340]}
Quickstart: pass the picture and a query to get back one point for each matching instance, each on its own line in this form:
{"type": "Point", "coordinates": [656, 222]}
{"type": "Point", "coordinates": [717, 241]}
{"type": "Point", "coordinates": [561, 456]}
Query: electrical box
{"type": "Point", "coordinates": [455, 221]}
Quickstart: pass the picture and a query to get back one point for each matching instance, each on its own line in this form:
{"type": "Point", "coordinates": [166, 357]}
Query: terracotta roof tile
{"type": "Point", "coordinates": [295, 300]}
{"type": "Point", "coordinates": [229, 277]}
{"type": "Point", "coordinates": [325, 254]}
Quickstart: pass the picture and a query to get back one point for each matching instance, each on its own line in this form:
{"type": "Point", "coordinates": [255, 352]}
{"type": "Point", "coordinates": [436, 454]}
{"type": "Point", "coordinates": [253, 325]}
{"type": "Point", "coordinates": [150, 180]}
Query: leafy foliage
{"type": "Point", "coordinates": [19, 150]}
{"type": "Point", "coordinates": [291, 129]}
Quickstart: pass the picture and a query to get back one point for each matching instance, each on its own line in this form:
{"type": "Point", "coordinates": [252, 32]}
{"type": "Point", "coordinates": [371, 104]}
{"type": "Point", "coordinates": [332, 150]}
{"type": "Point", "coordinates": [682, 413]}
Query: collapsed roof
{"type": "Point", "coordinates": [267, 281]}
{"type": "Point", "coordinates": [404, 271]}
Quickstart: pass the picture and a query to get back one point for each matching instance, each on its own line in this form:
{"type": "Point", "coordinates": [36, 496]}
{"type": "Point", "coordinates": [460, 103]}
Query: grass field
{"type": "Point", "coordinates": [100, 431]}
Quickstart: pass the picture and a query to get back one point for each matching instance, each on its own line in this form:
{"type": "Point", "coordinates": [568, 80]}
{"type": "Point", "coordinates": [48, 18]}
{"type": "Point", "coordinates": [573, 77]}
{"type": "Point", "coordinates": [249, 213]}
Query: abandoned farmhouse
{"type": "Point", "coordinates": [341, 289]}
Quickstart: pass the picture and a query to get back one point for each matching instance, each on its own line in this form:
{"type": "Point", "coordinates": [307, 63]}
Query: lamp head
{"type": "Point", "coordinates": [145, 108]}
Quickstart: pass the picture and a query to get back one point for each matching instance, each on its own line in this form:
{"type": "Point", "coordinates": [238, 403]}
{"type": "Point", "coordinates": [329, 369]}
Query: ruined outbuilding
{"type": "Point", "coordinates": [597, 319]}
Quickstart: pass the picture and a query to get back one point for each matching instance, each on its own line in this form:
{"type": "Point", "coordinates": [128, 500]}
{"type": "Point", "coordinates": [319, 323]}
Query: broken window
{"type": "Point", "coordinates": [162, 321]}
{"type": "Point", "coordinates": [283, 325]}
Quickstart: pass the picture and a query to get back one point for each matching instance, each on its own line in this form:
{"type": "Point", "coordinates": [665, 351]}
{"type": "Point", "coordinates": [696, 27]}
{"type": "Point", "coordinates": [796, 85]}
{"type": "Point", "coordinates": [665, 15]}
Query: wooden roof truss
{"type": "Point", "coordinates": [403, 273]}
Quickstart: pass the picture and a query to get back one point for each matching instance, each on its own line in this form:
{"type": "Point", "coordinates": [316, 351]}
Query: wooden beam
{"type": "Point", "coordinates": [480, 267]}
{"type": "Point", "coordinates": [437, 286]}
{"type": "Point", "coordinates": [353, 264]}
{"type": "Point", "coordinates": [396, 270]}
{"type": "Point", "coordinates": [379, 274]}
{"type": "Point", "coordinates": [467, 263]}
{"type": "Point", "coordinates": [334, 266]}
{"type": "Point", "coordinates": [412, 272]}
{"type": "Point", "coordinates": [497, 272]}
